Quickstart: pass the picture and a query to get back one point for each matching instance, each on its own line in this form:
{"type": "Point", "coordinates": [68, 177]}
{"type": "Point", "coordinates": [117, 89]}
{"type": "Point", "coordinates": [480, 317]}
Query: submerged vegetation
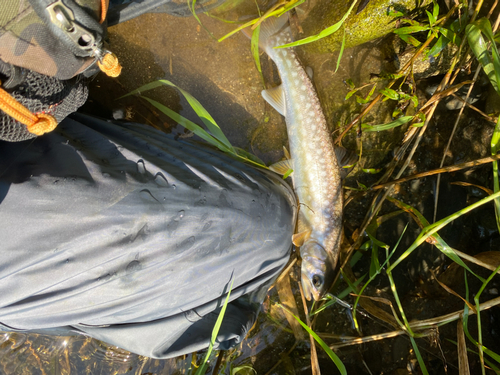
{"type": "Point", "coordinates": [367, 260]}
{"type": "Point", "coordinates": [411, 290]}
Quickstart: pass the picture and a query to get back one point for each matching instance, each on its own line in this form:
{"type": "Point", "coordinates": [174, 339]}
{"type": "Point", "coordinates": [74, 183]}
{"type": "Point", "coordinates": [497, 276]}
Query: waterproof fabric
{"type": "Point", "coordinates": [125, 234]}
{"type": "Point", "coordinates": [124, 10]}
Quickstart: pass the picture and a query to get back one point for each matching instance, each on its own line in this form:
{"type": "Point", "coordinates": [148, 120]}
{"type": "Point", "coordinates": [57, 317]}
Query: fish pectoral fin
{"type": "Point", "coordinates": [275, 96]}
{"type": "Point", "coordinates": [298, 239]}
{"type": "Point", "coordinates": [302, 225]}
{"type": "Point", "coordinates": [346, 160]}
{"type": "Point", "coordinates": [282, 167]}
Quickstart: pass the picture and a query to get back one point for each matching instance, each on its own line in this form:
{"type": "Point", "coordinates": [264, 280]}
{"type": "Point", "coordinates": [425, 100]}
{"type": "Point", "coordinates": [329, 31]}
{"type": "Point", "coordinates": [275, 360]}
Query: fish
{"type": "Point", "coordinates": [316, 170]}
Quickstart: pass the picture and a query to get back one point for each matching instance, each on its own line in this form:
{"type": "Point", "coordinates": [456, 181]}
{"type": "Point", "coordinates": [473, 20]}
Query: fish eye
{"type": "Point", "coordinates": [317, 281]}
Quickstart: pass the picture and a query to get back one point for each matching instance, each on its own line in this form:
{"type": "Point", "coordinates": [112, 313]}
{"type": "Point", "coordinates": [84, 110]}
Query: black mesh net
{"type": "Point", "coordinates": [43, 94]}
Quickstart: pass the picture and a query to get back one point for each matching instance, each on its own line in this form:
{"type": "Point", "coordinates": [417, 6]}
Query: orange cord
{"type": "Point", "coordinates": [110, 65]}
{"type": "Point", "coordinates": [36, 124]}
{"type": "Point", "coordinates": [104, 10]}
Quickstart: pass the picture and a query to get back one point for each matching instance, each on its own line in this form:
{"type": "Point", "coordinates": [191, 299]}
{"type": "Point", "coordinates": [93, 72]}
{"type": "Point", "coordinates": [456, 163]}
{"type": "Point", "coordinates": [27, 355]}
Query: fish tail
{"type": "Point", "coordinates": [269, 28]}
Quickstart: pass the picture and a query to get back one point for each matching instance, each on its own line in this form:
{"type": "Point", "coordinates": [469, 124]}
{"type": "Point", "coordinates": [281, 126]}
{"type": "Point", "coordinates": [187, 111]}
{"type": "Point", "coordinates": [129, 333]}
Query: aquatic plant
{"type": "Point", "coordinates": [431, 33]}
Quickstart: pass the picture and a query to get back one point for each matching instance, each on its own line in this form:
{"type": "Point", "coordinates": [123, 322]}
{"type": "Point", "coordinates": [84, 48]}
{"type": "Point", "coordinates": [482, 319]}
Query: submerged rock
{"type": "Point", "coordinates": [370, 23]}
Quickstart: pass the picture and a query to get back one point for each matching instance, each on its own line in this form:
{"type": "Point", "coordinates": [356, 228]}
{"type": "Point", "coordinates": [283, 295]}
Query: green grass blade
{"type": "Point", "coordinates": [478, 309]}
{"type": "Point", "coordinates": [440, 243]}
{"type": "Point", "coordinates": [324, 33]}
{"type": "Point", "coordinates": [192, 8]}
{"type": "Point", "coordinates": [140, 90]}
{"type": "Point", "coordinates": [244, 26]}
{"type": "Point", "coordinates": [278, 12]}
{"type": "Point", "coordinates": [410, 29]}
{"type": "Point", "coordinates": [489, 363]}
{"type": "Point", "coordinates": [495, 143]}
{"type": "Point", "coordinates": [479, 47]}
{"type": "Point", "coordinates": [491, 353]}
{"type": "Point", "coordinates": [342, 46]}
{"type": "Point", "coordinates": [255, 52]}
{"type": "Point", "coordinates": [433, 228]}
{"type": "Point", "coordinates": [398, 302]}
{"type": "Point", "coordinates": [375, 128]}
{"type": "Point", "coordinates": [318, 339]}
{"type": "Point", "coordinates": [203, 134]}
{"type": "Point", "coordinates": [356, 324]}
{"type": "Point", "coordinates": [203, 368]}
{"type": "Point", "coordinates": [491, 66]}
{"type": "Point", "coordinates": [203, 114]}
{"type": "Point", "coordinates": [251, 158]}
{"type": "Point", "coordinates": [197, 107]}
{"type": "Point", "coordinates": [195, 128]}
{"type": "Point", "coordinates": [419, 357]}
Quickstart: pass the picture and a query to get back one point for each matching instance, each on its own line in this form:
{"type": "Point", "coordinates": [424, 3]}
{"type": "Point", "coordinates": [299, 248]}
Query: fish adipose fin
{"type": "Point", "coordinates": [346, 160]}
{"type": "Point", "coordinates": [287, 154]}
{"type": "Point", "coordinates": [298, 239]}
{"type": "Point", "coordinates": [276, 98]}
{"type": "Point", "coordinates": [309, 72]}
{"type": "Point", "coordinates": [281, 167]}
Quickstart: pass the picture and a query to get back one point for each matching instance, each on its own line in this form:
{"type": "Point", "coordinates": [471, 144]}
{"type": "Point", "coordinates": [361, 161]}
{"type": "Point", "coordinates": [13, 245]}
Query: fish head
{"type": "Point", "coordinates": [316, 270]}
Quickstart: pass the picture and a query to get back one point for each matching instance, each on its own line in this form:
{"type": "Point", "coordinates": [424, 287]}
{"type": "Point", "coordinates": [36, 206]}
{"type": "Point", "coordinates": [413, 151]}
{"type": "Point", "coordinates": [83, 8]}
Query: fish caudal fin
{"type": "Point", "coordinates": [270, 27]}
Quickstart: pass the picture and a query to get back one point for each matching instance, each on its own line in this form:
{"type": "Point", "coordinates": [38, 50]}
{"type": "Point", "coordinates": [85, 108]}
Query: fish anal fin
{"type": "Point", "coordinates": [298, 239]}
{"type": "Point", "coordinates": [275, 96]}
{"type": "Point", "coordinates": [281, 167]}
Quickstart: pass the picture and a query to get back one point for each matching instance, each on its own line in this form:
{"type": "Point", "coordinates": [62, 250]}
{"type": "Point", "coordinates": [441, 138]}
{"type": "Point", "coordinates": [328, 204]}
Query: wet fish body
{"type": "Point", "coordinates": [316, 172]}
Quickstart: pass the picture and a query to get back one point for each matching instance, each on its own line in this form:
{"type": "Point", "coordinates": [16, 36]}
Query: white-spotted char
{"type": "Point", "coordinates": [316, 173]}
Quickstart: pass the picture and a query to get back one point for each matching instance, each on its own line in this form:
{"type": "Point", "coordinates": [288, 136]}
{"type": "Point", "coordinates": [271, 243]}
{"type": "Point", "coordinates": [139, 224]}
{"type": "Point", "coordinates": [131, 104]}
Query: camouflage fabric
{"type": "Point", "coordinates": [41, 62]}
{"type": "Point", "coordinates": [27, 41]}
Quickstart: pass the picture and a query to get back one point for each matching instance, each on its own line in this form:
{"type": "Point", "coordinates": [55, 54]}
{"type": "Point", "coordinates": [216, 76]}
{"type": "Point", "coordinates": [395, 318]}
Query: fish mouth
{"type": "Point", "coordinates": [309, 290]}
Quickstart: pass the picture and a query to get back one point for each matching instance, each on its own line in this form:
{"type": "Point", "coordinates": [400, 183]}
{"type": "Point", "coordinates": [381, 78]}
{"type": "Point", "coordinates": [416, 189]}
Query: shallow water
{"type": "Point", "coordinates": [223, 77]}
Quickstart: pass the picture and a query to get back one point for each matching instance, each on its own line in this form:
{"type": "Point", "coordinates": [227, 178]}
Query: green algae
{"type": "Point", "coordinates": [371, 23]}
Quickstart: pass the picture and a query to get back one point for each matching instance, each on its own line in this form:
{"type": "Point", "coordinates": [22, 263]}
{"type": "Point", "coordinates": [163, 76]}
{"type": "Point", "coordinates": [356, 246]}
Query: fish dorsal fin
{"type": "Point", "coordinates": [298, 239]}
{"type": "Point", "coordinates": [275, 96]}
{"type": "Point", "coordinates": [281, 167]}
{"type": "Point", "coordinates": [309, 72]}
{"type": "Point", "coordinates": [345, 158]}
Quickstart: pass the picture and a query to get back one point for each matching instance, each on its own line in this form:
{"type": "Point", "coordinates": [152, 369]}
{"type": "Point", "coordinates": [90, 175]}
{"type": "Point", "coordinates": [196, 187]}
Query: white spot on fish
{"type": "Point", "coordinates": [288, 62]}
{"type": "Point", "coordinates": [295, 74]}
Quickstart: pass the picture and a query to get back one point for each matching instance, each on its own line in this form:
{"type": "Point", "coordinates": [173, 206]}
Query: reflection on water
{"type": "Point", "coordinates": [22, 353]}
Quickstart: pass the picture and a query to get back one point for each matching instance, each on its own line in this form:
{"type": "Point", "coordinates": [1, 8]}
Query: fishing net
{"type": "Point", "coordinates": [41, 94]}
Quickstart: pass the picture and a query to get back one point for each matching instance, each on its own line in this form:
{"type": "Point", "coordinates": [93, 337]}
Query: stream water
{"type": "Point", "coordinates": [223, 77]}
